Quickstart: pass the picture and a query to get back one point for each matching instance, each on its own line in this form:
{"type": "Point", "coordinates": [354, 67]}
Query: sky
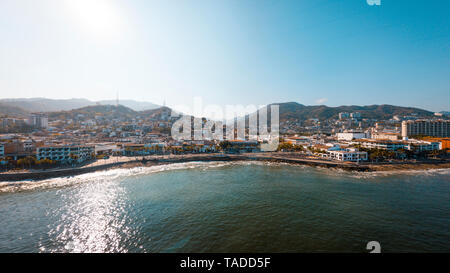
{"type": "Point", "coordinates": [332, 52]}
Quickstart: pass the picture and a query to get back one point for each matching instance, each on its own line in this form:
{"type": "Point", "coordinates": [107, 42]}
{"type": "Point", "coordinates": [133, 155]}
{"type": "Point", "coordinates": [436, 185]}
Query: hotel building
{"type": "Point", "coordinates": [66, 153]}
{"type": "Point", "coordinates": [435, 128]}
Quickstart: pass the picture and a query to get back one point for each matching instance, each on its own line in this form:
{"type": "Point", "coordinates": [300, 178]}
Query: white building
{"type": "Point", "coordinates": [350, 135]}
{"type": "Point", "coordinates": [385, 136]}
{"type": "Point", "coordinates": [342, 154]}
{"type": "Point", "coordinates": [352, 155]}
{"type": "Point", "coordinates": [38, 120]}
{"type": "Point", "coordinates": [66, 153]}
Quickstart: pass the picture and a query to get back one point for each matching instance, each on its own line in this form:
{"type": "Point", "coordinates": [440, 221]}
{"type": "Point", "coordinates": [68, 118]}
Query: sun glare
{"type": "Point", "coordinates": [100, 17]}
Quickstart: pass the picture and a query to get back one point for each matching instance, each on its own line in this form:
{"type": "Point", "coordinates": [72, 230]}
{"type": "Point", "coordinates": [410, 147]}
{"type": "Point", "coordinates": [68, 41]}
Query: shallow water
{"type": "Point", "coordinates": [228, 207]}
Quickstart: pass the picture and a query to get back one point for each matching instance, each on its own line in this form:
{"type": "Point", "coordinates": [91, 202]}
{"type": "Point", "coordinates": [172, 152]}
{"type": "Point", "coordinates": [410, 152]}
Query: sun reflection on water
{"type": "Point", "coordinates": [93, 220]}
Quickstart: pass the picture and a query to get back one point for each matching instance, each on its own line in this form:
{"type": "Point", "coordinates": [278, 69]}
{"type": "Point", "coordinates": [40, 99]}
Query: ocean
{"type": "Point", "coordinates": [228, 207]}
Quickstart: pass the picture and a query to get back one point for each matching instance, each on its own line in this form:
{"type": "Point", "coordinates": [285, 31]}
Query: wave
{"type": "Point", "coordinates": [107, 175]}
{"type": "Point", "coordinates": [377, 174]}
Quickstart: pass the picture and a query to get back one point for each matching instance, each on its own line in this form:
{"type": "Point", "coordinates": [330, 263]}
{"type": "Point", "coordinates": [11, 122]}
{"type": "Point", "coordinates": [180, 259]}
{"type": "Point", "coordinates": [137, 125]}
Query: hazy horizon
{"type": "Point", "coordinates": [235, 52]}
{"type": "Point", "coordinates": [191, 110]}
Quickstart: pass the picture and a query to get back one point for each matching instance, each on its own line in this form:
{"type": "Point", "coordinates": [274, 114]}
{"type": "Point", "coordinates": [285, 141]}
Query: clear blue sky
{"type": "Point", "coordinates": [339, 52]}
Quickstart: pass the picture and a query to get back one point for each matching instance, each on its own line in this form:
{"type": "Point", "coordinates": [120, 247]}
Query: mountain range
{"type": "Point", "coordinates": [131, 108]}
{"type": "Point", "coordinates": [27, 105]}
{"type": "Point", "coordinates": [107, 112]}
{"type": "Point", "coordinates": [293, 110]}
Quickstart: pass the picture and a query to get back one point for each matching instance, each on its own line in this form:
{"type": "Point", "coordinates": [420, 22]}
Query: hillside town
{"type": "Point", "coordinates": [73, 138]}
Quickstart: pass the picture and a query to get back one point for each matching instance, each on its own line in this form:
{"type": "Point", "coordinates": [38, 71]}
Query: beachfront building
{"type": "Point", "coordinates": [104, 149]}
{"type": "Point", "coordinates": [242, 146]}
{"type": "Point", "coordinates": [134, 149]}
{"type": "Point", "coordinates": [66, 153]}
{"type": "Point", "coordinates": [352, 155]}
{"type": "Point", "coordinates": [435, 128]}
{"type": "Point", "coordinates": [205, 148]}
{"type": "Point", "coordinates": [339, 153]}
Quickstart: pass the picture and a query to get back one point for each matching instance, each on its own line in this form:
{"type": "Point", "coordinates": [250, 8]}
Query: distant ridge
{"type": "Point", "coordinates": [297, 111]}
{"type": "Point", "coordinates": [108, 112]}
{"type": "Point", "coordinates": [288, 110]}
{"type": "Point", "coordinates": [90, 112]}
{"type": "Point", "coordinates": [135, 105]}
{"type": "Point", "coordinates": [52, 105]}
{"type": "Point", "coordinates": [46, 105]}
{"type": "Point", "coordinates": [8, 110]}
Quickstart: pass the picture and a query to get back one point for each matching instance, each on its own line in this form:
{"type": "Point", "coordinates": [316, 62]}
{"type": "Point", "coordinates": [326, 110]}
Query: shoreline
{"type": "Point", "coordinates": [280, 158]}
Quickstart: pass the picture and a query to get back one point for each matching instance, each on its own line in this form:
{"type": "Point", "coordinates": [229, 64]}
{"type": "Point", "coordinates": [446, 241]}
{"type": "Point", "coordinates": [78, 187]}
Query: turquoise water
{"type": "Point", "coordinates": [228, 207]}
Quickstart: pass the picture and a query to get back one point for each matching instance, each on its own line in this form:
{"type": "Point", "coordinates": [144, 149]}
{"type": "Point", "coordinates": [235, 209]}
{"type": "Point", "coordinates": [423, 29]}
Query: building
{"type": "Point", "coordinates": [6, 122]}
{"type": "Point", "coordinates": [297, 140]}
{"type": "Point", "coordinates": [389, 145]}
{"type": "Point", "coordinates": [39, 120]}
{"type": "Point", "coordinates": [339, 153]}
{"type": "Point", "coordinates": [350, 135]}
{"type": "Point", "coordinates": [29, 145]}
{"type": "Point", "coordinates": [106, 148]}
{"type": "Point", "coordinates": [355, 115]}
{"type": "Point", "coordinates": [352, 155]}
{"type": "Point", "coordinates": [386, 136]}
{"type": "Point", "coordinates": [435, 128]}
{"type": "Point", "coordinates": [14, 147]}
{"type": "Point", "coordinates": [241, 146]}
{"type": "Point", "coordinates": [344, 115]}
{"type": "Point", "coordinates": [67, 153]}
{"type": "Point", "coordinates": [2, 150]}
{"type": "Point", "coordinates": [423, 146]}
{"type": "Point", "coordinates": [444, 142]}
